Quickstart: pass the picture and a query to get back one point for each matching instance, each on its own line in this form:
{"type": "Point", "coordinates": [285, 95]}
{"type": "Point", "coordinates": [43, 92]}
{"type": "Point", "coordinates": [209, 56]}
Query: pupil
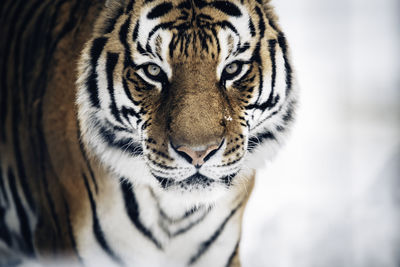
{"type": "Point", "coordinates": [153, 70]}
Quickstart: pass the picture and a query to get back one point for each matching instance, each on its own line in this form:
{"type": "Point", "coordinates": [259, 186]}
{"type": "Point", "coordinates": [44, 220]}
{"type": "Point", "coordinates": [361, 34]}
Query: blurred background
{"type": "Point", "coordinates": [332, 196]}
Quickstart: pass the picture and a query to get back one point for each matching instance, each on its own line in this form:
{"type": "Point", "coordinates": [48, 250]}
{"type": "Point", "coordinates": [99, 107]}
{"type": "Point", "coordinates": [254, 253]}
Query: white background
{"type": "Point", "coordinates": [332, 196]}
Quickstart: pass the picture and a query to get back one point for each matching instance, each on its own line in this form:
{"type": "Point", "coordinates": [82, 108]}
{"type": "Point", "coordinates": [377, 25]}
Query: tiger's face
{"type": "Point", "coordinates": [184, 92]}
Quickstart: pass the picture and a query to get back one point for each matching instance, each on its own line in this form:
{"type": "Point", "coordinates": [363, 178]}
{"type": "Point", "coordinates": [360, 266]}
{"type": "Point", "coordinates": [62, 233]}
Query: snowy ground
{"type": "Point", "coordinates": [331, 197]}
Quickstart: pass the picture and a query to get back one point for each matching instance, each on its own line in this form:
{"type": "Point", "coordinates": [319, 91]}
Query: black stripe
{"type": "Point", "coordinates": [227, 24]}
{"type": "Point", "coordinates": [164, 182]}
{"type": "Point", "coordinates": [97, 230]}
{"type": "Point", "coordinates": [206, 244]}
{"type": "Point", "coordinates": [126, 144]}
{"type": "Point", "coordinates": [288, 67]}
{"type": "Point", "coordinates": [165, 25]}
{"type": "Point", "coordinates": [148, 48]}
{"type": "Point", "coordinates": [172, 45]}
{"type": "Point", "coordinates": [289, 114]}
{"type": "Point", "coordinates": [160, 10]}
{"type": "Point", "coordinates": [227, 7]}
{"type": "Point", "coordinates": [70, 230]}
{"type": "Point", "coordinates": [123, 35]}
{"type": "Point", "coordinates": [22, 215]}
{"type": "Point", "coordinates": [185, 5]}
{"type": "Point", "coordinates": [242, 49]}
{"type": "Point", "coordinates": [112, 60]}
{"type": "Point", "coordinates": [214, 32]}
{"type": "Point", "coordinates": [233, 254]}
{"type": "Point", "coordinates": [191, 225]}
{"type": "Point", "coordinates": [140, 49]}
{"type": "Point", "coordinates": [258, 139]}
{"type": "Point", "coordinates": [272, 52]}
{"type": "Point", "coordinates": [127, 91]}
{"type": "Point", "coordinates": [5, 234]}
{"type": "Point", "coordinates": [50, 200]}
{"type": "Point", "coordinates": [95, 52]}
{"type": "Point", "coordinates": [19, 161]}
{"type": "Point", "coordinates": [6, 56]}
{"type": "Point", "coordinates": [186, 215]}
{"type": "Point", "coordinates": [3, 188]}
{"type": "Point", "coordinates": [261, 22]}
{"type": "Point", "coordinates": [270, 102]}
{"type": "Point", "coordinates": [132, 209]}
{"type": "Point", "coordinates": [130, 6]}
{"type": "Point", "coordinates": [227, 180]}
{"type": "Point", "coordinates": [252, 28]}
{"type": "Point", "coordinates": [86, 159]}
{"type": "Point", "coordinates": [136, 31]}
{"type": "Point", "coordinates": [127, 111]}
{"type": "Point", "coordinates": [199, 3]}
{"type": "Point", "coordinates": [256, 57]}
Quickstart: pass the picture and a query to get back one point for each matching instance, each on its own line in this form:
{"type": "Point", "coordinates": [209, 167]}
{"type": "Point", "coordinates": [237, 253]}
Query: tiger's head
{"type": "Point", "coordinates": [184, 95]}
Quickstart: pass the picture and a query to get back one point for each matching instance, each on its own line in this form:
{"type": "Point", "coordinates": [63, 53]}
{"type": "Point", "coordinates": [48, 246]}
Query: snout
{"type": "Point", "coordinates": [197, 155]}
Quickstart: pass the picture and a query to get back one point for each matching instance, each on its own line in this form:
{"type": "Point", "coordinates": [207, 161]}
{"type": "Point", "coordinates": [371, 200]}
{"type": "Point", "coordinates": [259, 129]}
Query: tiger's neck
{"type": "Point", "coordinates": [137, 227]}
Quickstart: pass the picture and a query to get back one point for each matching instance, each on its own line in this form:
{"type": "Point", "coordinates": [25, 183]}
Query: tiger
{"type": "Point", "coordinates": [131, 130]}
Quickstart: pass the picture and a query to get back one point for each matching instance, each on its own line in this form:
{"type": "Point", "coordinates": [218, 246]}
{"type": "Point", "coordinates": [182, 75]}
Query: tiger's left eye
{"type": "Point", "coordinates": [232, 70]}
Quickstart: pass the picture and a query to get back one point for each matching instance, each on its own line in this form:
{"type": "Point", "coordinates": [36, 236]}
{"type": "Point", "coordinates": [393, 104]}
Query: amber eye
{"type": "Point", "coordinates": [153, 70]}
{"type": "Point", "coordinates": [232, 70]}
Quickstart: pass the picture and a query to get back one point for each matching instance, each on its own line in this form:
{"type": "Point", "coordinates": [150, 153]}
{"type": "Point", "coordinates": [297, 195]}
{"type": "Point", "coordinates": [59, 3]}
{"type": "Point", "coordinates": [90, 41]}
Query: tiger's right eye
{"type": "Point", "coordinates": [153, 70]}
{"type": "Point", "coordinates": [155, 73]}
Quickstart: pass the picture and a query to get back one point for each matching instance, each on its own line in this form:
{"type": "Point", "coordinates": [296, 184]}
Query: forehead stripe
{"type": "Point", "coordinates": [166, 25]}
{"type": "Point", "coordinates": [227, 7]}
{"type": "Point", "coordinates": [160, 10]}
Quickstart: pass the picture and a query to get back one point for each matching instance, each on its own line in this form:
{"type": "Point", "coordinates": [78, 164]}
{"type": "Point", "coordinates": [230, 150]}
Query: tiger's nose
{"type": "Point", "coordinates": [197, 155]}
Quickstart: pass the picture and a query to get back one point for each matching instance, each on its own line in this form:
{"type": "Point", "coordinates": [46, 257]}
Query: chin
{"type": "Point", "coordinates": [192, 196]}
{"type": "Point", "coordinates": [199, 190]}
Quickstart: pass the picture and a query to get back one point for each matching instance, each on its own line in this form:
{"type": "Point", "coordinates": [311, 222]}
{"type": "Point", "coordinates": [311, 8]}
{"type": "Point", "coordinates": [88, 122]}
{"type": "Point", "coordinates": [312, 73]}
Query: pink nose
{"type": "Point", "coordinates": [198, 157]}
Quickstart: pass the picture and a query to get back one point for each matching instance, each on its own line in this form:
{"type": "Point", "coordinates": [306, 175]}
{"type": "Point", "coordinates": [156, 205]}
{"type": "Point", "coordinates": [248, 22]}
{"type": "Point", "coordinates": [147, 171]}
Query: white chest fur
{"type": "Point", "coordinates": [140, 229]}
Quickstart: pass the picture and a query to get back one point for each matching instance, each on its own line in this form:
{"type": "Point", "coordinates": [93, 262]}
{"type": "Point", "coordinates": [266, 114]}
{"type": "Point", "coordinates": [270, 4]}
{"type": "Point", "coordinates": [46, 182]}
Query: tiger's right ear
{"type": "Point", "coordinates": [112, 9]}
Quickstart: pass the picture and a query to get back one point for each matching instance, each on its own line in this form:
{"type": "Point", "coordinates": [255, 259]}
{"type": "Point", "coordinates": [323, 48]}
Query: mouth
{"type": "Point", "coordinates": [196, 180]}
